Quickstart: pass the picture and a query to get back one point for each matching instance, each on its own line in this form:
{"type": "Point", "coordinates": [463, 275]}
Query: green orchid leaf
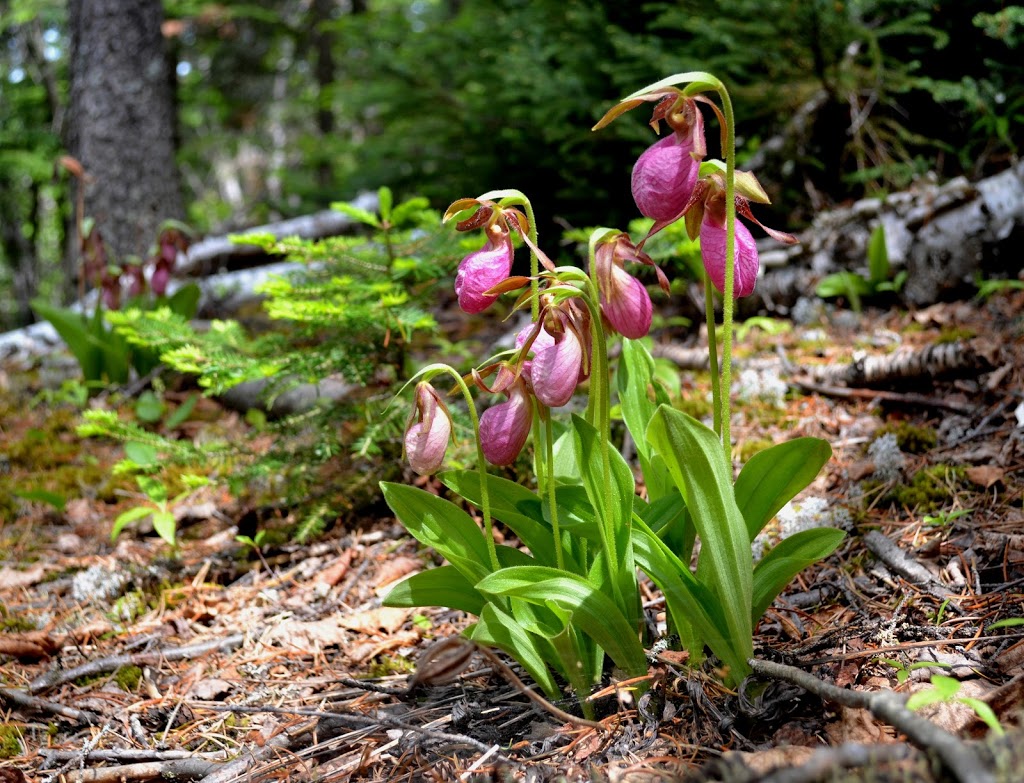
{"type": "Point", "coordinates": [613, 504]}
{"type": "Point", "coordinates": [878, 256]}
{"type": "Point", "coordinates": [774, 476]}
{"type": "Point", "coordinates": [786, 560]}
{"type": "Point", "coordinates": [497, 628]}
{"type": "Point", "coordinates": [697, 463]}
{"type": "Point", "coordinates": [511, 504]}
{"type": "Point", "coordinates": [636, 383]}
{"type": "Point", "coordinates": [442, 586]}
{"type": "Point", "coordinates": [591, 610]}
{"type": "Point", "coordinates": [185, 301]}
{"type": "Point", "coordinates": [695, 611]}
{"type": "Point", "coordinates": [441, 525]}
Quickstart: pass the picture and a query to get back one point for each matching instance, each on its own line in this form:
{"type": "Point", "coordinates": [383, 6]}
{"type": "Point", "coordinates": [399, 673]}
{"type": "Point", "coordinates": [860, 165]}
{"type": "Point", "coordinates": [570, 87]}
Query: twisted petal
{"type": "Point", "coordinates": [625, 302]}
{"type": "Point", "coordinates": [505, 427]}
{"type": "Point", "coordinates": [712, 250]}
{"type": "Point", "coordinates": [664, 178]}
{"type": "Point", "coordinates": [556, 370]}
{"type": "Point", "coordinates": [481, 271]}
{"type": "Point", "coordinates": [426, 438]}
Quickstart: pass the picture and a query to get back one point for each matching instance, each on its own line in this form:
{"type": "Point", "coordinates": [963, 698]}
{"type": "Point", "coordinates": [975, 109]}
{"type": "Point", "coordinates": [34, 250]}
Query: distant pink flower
{"type": "Point", "coordinates": [428, 431]}
{"type": "Point", "coordinates": [712, 251]}
{"type": "Point", "coordinates": [481, 271]}
{"type": "Point", "coordinates": [505, 427]}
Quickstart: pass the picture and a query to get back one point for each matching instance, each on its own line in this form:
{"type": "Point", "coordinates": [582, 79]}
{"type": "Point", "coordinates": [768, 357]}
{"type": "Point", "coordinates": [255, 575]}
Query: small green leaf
{"type": "Point", "coordinates": [185, 301]}
{"type": "Point", "coordinates": [54, 499]}
{"type": "Point", "coordinates": [127, 517]}
{"type": "Point", "coordinates": [149, 408]}
{"type": "Point", "coordinates": [182, 412]}
{"type": "Point", "coordinates": [356, 213]}
{"type": "Point", "coordinates": [384, 201]}
{"type": "Point", "coordinates": [878, 256]}
{"type": "Point", "coordinates": [165, 526]}
{"type": "Point", "coordinates": [142, 454]}
{"type": "Point", "coordinates": [985, 712]}
{"type": "Point", "coordinates": [1010, 622]}
{"type": "Point", "coordinates": [497, 628]}
{"type": "Point", "coordinates": [154, 488]}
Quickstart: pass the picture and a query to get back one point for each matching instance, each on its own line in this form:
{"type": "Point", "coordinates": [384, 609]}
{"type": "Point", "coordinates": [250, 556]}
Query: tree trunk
{"type": "Point", "coordinates": [122, 121]}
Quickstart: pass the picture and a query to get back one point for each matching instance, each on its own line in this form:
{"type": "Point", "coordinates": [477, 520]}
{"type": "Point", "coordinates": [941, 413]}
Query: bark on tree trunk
{"type": "Point", "coordinates": [122, 121]}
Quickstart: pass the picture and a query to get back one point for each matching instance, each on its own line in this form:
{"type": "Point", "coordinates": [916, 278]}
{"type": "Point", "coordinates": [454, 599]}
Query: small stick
{"type": "Point", "coordinates": [19, 698]}
{"type": "Point", "coordinates": [175, 769]}
{"type": "Point", "coordinates": [958, 758]}
{"type": "Point", "coordinates": [115, 662]}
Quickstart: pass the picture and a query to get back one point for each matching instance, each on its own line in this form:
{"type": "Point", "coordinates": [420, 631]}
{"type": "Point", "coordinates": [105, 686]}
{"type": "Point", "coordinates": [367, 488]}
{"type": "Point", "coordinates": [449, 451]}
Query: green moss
{"type": "Point", "coordinates": [749, 448]}
{"type": "Point", "coordinates": [911, 438]}
{"type": "Point", "coordinates": [388, 666]}
{"type": "Point", "coordinates": [929, 488]}
{"type": "Point", "coordinates": [954, 334]}
{"type": "Point", "coordinates": [128, 678]}
{"type": "Point", "coordinates": [696, 405]}
{"type": "Point", "coordinates": [10, 741]}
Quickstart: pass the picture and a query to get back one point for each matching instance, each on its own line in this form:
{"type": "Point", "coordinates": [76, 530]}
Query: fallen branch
{"type": "Point", "coordinates": [961, 760]}
{"type": "Point", "coordinates": [904, 363]}
{"type": "Point", "coordinates": [175, 769]}
{"type": "Point", "coordinates": [115, 662]}
{"type": "Point", "coordinates": [18, 698]}
{"type": "Point", "coordinates": [824, 761]}
{"type": "Point", "coordinates": [903, 398]}
{"type": "Point", "coordinates": [911, 570]}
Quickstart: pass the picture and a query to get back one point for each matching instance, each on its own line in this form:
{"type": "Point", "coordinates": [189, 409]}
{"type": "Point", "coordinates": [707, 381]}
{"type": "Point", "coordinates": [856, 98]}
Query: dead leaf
{"type": "Point", "coordinates": [765, 761]}
{"type": "Point", "coordinates": [393, 570]}
{"type": "Point", "coordinates": [336, 571]}
{"type": "Point", "coordinates": [308, 635]}
{"type": "Point", "coordinates": [371, 621]}
{"type": "Point", "coordinates": [985, 475]}
{"type": "Point", "coordinates": [359, 653]}
{"type": "Point", "coordinates": [24, 649]}
{"type": "Point", "coordinates": [11, 577]}
{"type": "Point", "coordinates": [210, 689]}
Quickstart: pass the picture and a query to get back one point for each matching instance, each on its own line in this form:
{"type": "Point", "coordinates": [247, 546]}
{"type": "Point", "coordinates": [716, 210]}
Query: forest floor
{"type": "Point", "coordinates": [120, 660]}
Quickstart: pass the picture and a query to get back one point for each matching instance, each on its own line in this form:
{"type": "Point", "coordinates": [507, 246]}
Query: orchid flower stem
{"type": "Point", "coordinates": [730, 264]}
{"type": "Point", "coordinates": [602, 422]}
{"type": "Point", "coordinates": [534, 263]}
{"type": "Point", "coordinates": [481, 461]}
{"type": "Point", "coordinates": [549, 453]}
{"type": "Point", "coordinates": [716, 381]}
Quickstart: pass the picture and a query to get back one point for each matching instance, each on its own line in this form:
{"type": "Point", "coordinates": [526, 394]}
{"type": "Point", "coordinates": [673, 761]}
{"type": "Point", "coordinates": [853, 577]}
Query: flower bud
{"type": "Point", "coordinates": [504, 428]}
{"type": "Point", "coordinates": [712, 251]}
{"type": "Point", "coordinates": [625, 302]}
{"type": "Point", "coordinates": [428, 431]}
{"type": "Point", "coordinates": [161, 277]}
{"type": "Point", "coordinates": [481, 271]}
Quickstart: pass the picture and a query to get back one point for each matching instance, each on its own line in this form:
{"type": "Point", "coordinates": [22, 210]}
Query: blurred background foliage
{"type": "Point", "coordinates": [285, 106]}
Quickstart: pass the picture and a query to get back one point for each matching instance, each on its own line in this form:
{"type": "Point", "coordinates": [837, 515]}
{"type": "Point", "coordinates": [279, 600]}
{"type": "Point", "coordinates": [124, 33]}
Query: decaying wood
{"type": "Point", "coordinates": [930, 362]}
{"type": "Point", "coordinates": [14, 698]}
{"type": "Point", "coordinates": [213, 253]}
{"type": "Point", "coordinates": [942, 235]}
{"type": "Point", "coordinates": [902, 564]}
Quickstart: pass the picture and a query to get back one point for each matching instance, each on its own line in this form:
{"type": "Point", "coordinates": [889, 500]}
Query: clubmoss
{"type": "Point", "coordinates": [929, 488]}
{"type": "Point", "coordinates": [911, 438]}
{"type": "Point", "coordinates": [10, 741]}
{"type": "Point", "coordinates": [748, 448]}
{"type": "Point", "coordinates": [128, 678]}
{"type": "Point", "coordinates": [388, 666]}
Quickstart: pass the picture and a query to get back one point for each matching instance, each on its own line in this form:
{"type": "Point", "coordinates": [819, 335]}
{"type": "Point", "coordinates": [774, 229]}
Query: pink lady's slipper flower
{"type": "Point", "coordinates": [505, 427]}
{"type": "Point", "coordinates": [625, 302]}
{"type": "Point", "coordinates": [557, 366]}
{"type": "Point", "coordinates": [709, 210]}
{"type": "Point", "coordinates": [665, 174]}
{"type": "Point", "coordinates": [428, 431]}
{"type": "Point", "coordinates": [481, 271]}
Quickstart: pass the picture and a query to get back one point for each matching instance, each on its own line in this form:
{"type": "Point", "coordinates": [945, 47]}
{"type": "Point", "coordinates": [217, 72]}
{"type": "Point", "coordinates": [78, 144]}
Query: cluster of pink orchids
{"type": "Point", "coordinates": [552, 354]}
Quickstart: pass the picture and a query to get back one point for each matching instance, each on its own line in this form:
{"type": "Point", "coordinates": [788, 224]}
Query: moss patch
{"type": "Point", "coordinates": [911, 438]}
